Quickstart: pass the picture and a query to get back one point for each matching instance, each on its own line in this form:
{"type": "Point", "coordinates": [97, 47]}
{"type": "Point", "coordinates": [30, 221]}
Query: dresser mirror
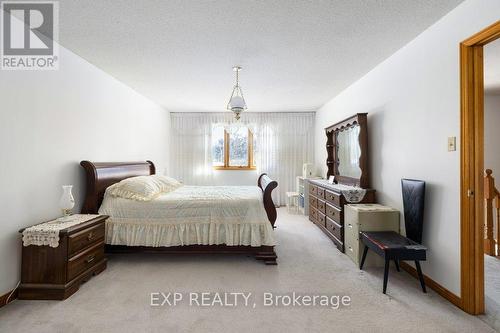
{"type": "Point", "coordinates": [349, 152]}
{"type": "Point", "coordinates": [347, 148]}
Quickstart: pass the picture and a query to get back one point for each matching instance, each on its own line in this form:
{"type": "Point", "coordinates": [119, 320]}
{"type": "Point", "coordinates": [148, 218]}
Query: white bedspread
{"type": "Point", "coordinates": [203, 215]}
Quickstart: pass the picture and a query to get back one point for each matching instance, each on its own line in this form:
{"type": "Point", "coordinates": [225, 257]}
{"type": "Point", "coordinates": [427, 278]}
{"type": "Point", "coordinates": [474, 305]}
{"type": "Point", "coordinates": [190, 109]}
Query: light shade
{"type": "Point", "coordinates": [237, 102]}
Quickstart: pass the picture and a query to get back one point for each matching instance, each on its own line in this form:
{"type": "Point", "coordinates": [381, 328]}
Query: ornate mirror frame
{"type": "Point", "coordinates": [332, 148]}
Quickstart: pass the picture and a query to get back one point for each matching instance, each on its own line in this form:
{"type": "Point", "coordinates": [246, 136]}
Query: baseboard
{"type": "Point", "coordinates": [445, 293]}
{"type": "Point", "coordinates": [3, 298]}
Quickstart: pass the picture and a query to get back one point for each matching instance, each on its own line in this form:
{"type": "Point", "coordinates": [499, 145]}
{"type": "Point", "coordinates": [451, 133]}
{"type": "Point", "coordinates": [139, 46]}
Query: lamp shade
{"type": "Point", "coordinates": [237, 103]}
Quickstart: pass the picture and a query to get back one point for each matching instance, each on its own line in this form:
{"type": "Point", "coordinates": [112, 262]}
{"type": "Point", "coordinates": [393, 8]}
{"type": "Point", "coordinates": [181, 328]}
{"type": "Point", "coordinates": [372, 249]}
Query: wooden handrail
{"type": "Point", "coordinates": [491, 194]}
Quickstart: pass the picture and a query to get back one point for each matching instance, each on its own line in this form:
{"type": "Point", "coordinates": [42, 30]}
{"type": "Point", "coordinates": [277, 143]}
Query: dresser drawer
{"type": "Point", "coordinates": [84, 238]}
{"type": "Point", "coordinates": [352, 251]}
{"type": "Point", "coordinates": [321, 193]}
{"type": "Point", "coordinates": [321, 206]}
{"type": "Point", "coordinates": [313, 214]}
{"type": "Point", "coordinates": [334, 213]}
{"type": "Point", "coordinates": [338, 243]}
{"type": "Point", "coordinates": [334, 228]}
{"type": "Point", "coordinates": [352, 228]}
{"type": "Point", "coordinates": [313, 189]}
{"type": "Point", "coordinates": [85, 260]}
{"type": "Point", "coordinates": [321, 219]}
{"type": "Point", "coordinates": [313, 202]}
{"type": "Point", "coordinates": [332, 198]}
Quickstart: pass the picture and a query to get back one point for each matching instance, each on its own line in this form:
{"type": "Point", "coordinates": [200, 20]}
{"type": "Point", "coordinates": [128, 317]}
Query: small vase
{"type": "Point", "coordinates": [67, 202]}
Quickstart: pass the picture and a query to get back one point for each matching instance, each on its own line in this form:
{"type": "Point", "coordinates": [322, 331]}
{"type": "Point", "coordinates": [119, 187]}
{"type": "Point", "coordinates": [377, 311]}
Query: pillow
{"type": "Point", "coordinates": [143, 188]}
{"type": "Point", "coordinates": [170, 184]}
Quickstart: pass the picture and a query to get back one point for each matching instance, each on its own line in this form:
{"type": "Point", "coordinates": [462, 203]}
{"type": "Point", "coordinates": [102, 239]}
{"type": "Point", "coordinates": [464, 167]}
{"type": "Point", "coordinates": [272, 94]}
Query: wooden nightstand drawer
{"type": "Point", "coordinates": [84, 238]}
{"type": "Point", "coordinates": [85, 260]}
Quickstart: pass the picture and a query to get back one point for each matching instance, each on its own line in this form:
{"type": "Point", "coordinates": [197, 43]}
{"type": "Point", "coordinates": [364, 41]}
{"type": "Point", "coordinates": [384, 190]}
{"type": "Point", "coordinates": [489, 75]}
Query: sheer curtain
{"type": "Point", "coordinates": [284, 141]}
{"type": "Point", "coordinates": [190, 159]}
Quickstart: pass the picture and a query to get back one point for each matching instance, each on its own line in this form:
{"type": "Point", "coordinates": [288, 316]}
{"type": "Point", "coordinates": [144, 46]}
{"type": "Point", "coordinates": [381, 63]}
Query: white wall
{"type": "Point", "coordinates": [492, 135]}
{"type": "Point", "coordinates": [413, 103]}
{"type": "Point", "coordinates": [236, 177]}
{"type": "Point", "coordinates": [49, 121]}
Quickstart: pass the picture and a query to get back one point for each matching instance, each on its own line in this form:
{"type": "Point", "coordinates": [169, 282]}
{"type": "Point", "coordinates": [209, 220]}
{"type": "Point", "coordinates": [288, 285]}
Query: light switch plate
{"type": "Point", "coordinates": [452, 143]}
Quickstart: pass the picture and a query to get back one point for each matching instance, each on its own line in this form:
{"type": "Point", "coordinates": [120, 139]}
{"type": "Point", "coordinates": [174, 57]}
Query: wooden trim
{"type": "Point", "coordinates": [226, 166]}
{"type": "Point", "coordinates": [234, 168]}
{"type": "Point", "coordinates": [346, 123]}
{"type": "Point", "coordinates": [445, 293]}
{"type": "Point", "coordinates": [472, 168]}
{"type": "Point", "coordinates": [3, 298]}
{"type": "Point", "coordinates": [226, 149]}
{"type": "Point", "coordinates": [250, 150]}
{"type": "Point", "coordinates": [485, 36]}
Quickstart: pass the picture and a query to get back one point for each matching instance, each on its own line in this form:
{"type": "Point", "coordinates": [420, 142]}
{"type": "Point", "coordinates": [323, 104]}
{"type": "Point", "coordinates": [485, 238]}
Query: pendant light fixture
{"type": "Point", "coordinates": [237, 102]}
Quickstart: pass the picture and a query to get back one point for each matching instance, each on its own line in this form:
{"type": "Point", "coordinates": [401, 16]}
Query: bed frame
{"type": "Point", "coordinates": [102, 175]}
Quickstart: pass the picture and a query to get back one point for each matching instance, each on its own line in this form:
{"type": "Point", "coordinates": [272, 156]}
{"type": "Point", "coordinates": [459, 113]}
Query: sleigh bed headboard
{"type": "Point", "coordinates": [104, 174]}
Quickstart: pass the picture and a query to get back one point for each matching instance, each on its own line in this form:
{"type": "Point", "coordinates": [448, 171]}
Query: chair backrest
{"type": "Point", "coordinates": [413, 204]}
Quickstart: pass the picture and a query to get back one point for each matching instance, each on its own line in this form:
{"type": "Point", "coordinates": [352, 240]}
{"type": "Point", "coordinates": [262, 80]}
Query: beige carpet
{"type": "Point", "coordinates": [118, 300]}
{"type": "Point", "coordinates": [492, 291]}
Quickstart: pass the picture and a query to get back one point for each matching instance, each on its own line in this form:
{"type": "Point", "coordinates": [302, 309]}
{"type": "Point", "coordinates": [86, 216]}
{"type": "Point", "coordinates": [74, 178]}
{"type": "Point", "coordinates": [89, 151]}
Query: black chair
{"type": "Point", "coordinates": [393, 246]}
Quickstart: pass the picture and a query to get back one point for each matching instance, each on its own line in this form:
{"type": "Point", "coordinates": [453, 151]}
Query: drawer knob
{"type": "Point", "coordinates": [90, 236]}
{"type": "Point", "coordinates": [89, 259]}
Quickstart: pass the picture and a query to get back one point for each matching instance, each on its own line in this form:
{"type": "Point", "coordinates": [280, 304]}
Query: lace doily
{"type": "Point", "coordinates": [351, 194]}
{"type": "Point", "coordinates": [48, 233]}
{"type": "Point", "coordinates": [354, 194]}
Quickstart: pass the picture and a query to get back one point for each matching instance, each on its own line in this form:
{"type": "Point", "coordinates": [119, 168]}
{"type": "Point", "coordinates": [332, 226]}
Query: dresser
{"type": "Point", "coordinates": [326, 209]}
{"type": "Point", "coordinates": [367, 217]}
{"type": "Point", "coordinates": [57, 272]}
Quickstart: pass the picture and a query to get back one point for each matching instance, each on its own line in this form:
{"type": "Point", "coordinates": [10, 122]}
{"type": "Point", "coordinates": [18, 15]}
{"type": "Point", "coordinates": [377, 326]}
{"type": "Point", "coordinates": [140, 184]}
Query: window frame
{"type": "Point", "coordinates": [226, 165]}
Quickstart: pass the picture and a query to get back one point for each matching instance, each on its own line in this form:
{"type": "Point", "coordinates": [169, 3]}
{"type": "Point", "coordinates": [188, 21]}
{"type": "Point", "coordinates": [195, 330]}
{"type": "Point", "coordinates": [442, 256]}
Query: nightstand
{"type": "Point", "coordinates": [57, 272]}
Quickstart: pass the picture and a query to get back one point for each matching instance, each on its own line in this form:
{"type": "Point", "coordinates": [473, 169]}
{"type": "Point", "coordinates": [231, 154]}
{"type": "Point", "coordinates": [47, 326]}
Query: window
{"type": "Point", "coordinates": [232, 151]}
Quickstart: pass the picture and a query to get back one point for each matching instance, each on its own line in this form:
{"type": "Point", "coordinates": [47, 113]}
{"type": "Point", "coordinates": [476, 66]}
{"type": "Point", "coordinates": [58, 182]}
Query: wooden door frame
{"type": "Point", "coordinates": [472, 168]}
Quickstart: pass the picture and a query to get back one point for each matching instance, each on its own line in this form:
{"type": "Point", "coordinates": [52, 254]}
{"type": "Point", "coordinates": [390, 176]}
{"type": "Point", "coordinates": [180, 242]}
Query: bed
{"type": "Point", "coordinates": [191, 219]}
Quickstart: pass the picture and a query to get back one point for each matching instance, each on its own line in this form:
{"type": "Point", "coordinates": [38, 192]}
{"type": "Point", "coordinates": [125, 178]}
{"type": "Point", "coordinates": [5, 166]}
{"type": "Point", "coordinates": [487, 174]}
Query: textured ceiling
{"type": "Point", "coordinates": [492, 68]}
{"type": "Point", "coordinates": [296, 55]}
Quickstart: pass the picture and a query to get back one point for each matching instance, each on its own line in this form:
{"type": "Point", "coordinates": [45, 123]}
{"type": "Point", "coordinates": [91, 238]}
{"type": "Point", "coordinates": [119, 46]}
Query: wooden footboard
{"type": "Point", "coordinates": [267, 186]}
